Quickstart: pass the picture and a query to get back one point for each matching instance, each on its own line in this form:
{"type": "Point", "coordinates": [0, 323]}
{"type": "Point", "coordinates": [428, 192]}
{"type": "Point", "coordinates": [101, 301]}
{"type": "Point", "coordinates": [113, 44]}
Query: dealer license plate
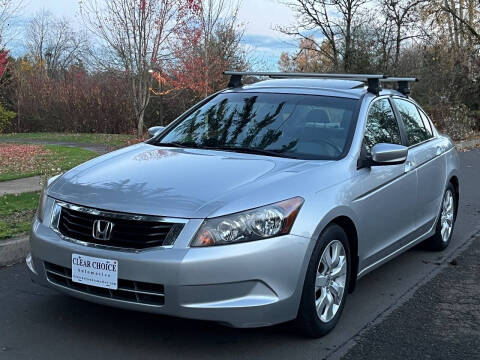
{"type": "Point", "coordinates": [95, 271]}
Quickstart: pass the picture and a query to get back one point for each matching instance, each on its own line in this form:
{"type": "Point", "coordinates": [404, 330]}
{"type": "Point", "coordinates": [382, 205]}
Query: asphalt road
{"type": "Point", "coordinates": [442, 320]}
{"type": "Point", "coordinates": [38, 323]}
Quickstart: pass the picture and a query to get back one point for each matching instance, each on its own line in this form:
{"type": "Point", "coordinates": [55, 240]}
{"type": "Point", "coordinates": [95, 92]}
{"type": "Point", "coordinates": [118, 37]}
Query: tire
{"type": "Point", "coordinates": [311, 322]}
{"type": "Point", "coordinates": [446, 220]}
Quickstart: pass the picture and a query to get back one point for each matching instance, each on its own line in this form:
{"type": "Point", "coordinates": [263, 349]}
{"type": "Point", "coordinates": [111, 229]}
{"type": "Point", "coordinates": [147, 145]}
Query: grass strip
{"type": "Point", "coordinates": [16, 213]}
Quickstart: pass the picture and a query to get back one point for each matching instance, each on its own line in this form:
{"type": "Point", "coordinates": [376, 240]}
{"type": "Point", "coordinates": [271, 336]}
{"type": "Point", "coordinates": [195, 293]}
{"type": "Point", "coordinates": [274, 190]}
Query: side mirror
{"type": "Point", "coordinates": [389, 154]}
{"type": "Point", "coordinates": [154, 130]}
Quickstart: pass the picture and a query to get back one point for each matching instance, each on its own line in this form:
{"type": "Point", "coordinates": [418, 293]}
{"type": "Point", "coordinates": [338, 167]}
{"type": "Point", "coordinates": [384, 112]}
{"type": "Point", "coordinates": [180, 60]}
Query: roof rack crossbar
{"type": "Point", "coordinates": [391, 79]}
{"type": "Point", "coordinates": [363, 77]}
{"type": "Point", "coordinates": [403, 84]}
{"type": "Point", "coordinates": [373, 80]}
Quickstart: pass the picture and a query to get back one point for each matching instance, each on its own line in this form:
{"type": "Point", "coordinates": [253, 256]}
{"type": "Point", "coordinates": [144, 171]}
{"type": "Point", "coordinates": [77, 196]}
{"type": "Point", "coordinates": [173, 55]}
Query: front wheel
{"type": "Point", "coordinates": [326, 283]}
{"type": "Point", "coordinates": [446, 221]}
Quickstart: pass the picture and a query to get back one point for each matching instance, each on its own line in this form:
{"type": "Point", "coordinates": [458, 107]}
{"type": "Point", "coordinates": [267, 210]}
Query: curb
{"type": "Point", "coordinates": [14, 250]}
{"type": "Point", "coordinates": [467, 144]}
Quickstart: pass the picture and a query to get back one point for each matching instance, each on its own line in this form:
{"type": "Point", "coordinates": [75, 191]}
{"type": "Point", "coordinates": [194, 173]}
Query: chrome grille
{"type": "Point", "coordinates": [131, 291]}
{"type": "Point", "coordinates": [129, 231]}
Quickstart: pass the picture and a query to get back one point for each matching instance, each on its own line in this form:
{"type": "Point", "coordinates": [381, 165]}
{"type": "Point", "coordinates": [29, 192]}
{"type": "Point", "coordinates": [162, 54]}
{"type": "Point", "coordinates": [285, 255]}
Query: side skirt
{"type": "Point", "coordinates": [397, 252]}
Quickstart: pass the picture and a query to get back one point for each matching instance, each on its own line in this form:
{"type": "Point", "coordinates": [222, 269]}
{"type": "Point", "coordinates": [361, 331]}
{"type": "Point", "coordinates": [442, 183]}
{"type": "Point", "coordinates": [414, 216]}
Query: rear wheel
{"type": "Point", "coordinates": [446, 221]}
{"type": "Point", "coordinates": [326, 283]}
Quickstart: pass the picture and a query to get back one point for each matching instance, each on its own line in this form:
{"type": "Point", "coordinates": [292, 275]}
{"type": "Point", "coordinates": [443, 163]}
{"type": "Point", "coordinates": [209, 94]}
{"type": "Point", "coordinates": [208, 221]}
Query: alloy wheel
{"type": "Point", "coordinates": [330, 280]}
{"type": "Point", "coordinates": [447, 216]}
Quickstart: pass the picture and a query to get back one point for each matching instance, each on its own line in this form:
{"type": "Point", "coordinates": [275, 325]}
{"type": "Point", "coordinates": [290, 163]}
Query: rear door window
{"type": "Point", "coordinates": [426, 122]}
{"type": "Point", "coordinates": [415, 128]}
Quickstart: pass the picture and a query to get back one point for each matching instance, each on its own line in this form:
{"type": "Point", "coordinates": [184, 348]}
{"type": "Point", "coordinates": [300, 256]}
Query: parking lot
{"type": "Point", "coordinates": [38, 323]}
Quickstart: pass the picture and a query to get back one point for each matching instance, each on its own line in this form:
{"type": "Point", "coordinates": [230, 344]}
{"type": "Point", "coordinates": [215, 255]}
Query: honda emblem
{"type": "Point", "coordinates": [102, 229]}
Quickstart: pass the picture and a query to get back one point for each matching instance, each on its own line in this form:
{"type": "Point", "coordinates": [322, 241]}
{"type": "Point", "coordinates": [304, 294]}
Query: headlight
{"type": "Point", "coordinates": [43, 198]}
{"type": "Point", "coordinates": [256, 224]}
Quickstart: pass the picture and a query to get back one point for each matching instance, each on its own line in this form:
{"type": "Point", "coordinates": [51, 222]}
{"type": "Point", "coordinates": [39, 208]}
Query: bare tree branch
{"type": "Point", "coordinates": [135, 34]}
{"type": "Point", "coordinates": [334, 20]}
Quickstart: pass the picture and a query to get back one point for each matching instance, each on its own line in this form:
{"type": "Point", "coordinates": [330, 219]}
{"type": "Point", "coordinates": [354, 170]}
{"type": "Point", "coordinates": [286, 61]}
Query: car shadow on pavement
{"type": "Point", "coordinates": [112, 325]}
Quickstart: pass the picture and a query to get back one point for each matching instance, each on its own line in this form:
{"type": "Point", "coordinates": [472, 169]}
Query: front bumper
{"type": "Point", "coordinates": [243, 285]}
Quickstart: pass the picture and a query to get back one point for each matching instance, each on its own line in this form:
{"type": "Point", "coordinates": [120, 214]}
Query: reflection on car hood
{"type": "Point", "coordinates": [175, 182]}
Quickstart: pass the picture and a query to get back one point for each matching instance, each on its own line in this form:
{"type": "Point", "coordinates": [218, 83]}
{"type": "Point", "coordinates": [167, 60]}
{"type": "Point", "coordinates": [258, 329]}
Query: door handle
{"type": "Point", "coordinates": [409, 165]}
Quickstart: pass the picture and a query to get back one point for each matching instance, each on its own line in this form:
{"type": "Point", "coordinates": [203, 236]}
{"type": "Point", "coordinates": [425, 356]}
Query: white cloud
{"type": "Point", "coordinates": [67, 8]}
{"type": "Point", "coordinates": [260, 17]}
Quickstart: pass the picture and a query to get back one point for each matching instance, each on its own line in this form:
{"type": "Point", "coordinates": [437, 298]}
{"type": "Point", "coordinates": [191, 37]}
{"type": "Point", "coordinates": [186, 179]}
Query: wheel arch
{"type": "Point", "coordinates": [454, 181]}
{"type": "Point", "coordinates": [350, 229]}
{"type": "Point", "coordinates": [347, 219]}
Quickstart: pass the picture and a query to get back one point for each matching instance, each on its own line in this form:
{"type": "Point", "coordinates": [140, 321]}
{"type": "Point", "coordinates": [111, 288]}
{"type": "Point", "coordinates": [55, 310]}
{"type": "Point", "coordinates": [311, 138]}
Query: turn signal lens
{"type": "Point", "coordinates": [41, 210]}
{"type": "Point", "coordinates": [256, 224]}
{"type": "Point", "coordinates": [42, 204]}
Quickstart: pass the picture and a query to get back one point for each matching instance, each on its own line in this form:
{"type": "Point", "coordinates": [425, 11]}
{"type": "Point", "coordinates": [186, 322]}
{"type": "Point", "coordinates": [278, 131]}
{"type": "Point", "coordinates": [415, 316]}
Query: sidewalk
{"type": "Point", "coordinates": [442, 320]}
{"type": "Point", "coordinates": [33, 183]}
{"type": "Point", "coordinates": [14, 250]}
{"type": "Point", "coordinates": [20, 186]}
{"type": "Point", "coordinates": [98, 148]}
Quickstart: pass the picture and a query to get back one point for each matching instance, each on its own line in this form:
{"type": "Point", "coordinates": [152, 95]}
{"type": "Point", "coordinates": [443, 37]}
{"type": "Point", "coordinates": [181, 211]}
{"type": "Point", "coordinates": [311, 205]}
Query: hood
{"type": "Point", "coordinates": [173, 182]}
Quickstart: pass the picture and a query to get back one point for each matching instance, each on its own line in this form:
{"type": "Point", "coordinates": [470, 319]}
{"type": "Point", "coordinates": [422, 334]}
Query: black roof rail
{"type": "Point", "coordinates": [373, 80]}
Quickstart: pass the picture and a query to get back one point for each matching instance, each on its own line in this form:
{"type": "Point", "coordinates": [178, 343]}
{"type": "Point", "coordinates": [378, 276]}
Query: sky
{"type": "Point", "coordinates": [259, 17]}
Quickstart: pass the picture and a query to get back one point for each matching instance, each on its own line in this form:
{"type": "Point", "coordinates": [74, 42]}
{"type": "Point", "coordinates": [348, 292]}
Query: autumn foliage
{"type": "Point", "coordinates": [97, 79]}
{"type": "Point", "coordinates": [3, 62]}
{"type": "Point", "coordinates": [204, 47]}
{"type": "Point", "coordinates": [76, 102]}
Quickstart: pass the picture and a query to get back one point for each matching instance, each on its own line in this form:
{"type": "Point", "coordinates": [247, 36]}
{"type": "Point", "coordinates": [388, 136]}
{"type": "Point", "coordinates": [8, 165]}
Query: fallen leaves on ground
{"type": "Point", "coordinates": [19, 161]}
{"type": "Point", "coordinates": [20, 158]}
{"type": "Point", "coordinates": [134, 141]}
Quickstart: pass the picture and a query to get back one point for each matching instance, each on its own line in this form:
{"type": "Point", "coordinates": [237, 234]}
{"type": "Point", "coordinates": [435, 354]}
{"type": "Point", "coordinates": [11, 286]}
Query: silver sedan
{"type": "Point", "coordinates": [262, 204]}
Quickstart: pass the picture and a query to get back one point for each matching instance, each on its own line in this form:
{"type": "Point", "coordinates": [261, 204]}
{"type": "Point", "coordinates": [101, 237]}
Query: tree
{"type": "Point", "coordinates": [286, 63]}
{"type": "Point", "coordinates": [3, 61]}
{"type": "Point", "coordinates": [334, 19]}
{"type": "Point", "coordinates": [202, 50]}
{"type": "Point", "coordinates": [5, 118]}
{"type": "Point", "coordinates": [8, 11]}
{"type": "Point", "coordinates": [465, 19]}
{"type": "Point", "coordinates": [136, 34]}
{"type": "Point", "coordinates": [219, 35]}
{"type": "Point", "coordinates": [53, 44]}
{"type": "Point", "coordinates": [308, 58]}
{"type": "Point", "coordinates": [402, 14]}
{"type": "Point", "coordinates": [205, 49]}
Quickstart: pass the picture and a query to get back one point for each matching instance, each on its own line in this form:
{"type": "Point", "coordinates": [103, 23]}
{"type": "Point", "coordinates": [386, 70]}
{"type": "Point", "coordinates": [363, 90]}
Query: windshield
{"type": "Point", "coordinates": [297, 126]}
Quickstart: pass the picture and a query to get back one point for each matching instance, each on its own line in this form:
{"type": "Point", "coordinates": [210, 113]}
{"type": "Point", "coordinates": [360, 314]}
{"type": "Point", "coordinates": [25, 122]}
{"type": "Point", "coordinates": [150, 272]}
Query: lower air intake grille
{"type": "Point", "coordinates": [131, 291]}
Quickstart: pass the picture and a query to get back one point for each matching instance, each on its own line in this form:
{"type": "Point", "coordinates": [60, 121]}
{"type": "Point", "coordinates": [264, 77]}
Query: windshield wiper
{"type": "Point", "coordinates": [249, 150]}
{"type": "Point", "coordinates": [172, 144]}
{"type": "Point", "coordinates": [240, 149]}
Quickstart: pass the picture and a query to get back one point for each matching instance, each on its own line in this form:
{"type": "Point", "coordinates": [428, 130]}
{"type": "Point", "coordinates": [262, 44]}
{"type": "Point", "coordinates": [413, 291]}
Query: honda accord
{"type": "Point", "coordinates": [262, 204]}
